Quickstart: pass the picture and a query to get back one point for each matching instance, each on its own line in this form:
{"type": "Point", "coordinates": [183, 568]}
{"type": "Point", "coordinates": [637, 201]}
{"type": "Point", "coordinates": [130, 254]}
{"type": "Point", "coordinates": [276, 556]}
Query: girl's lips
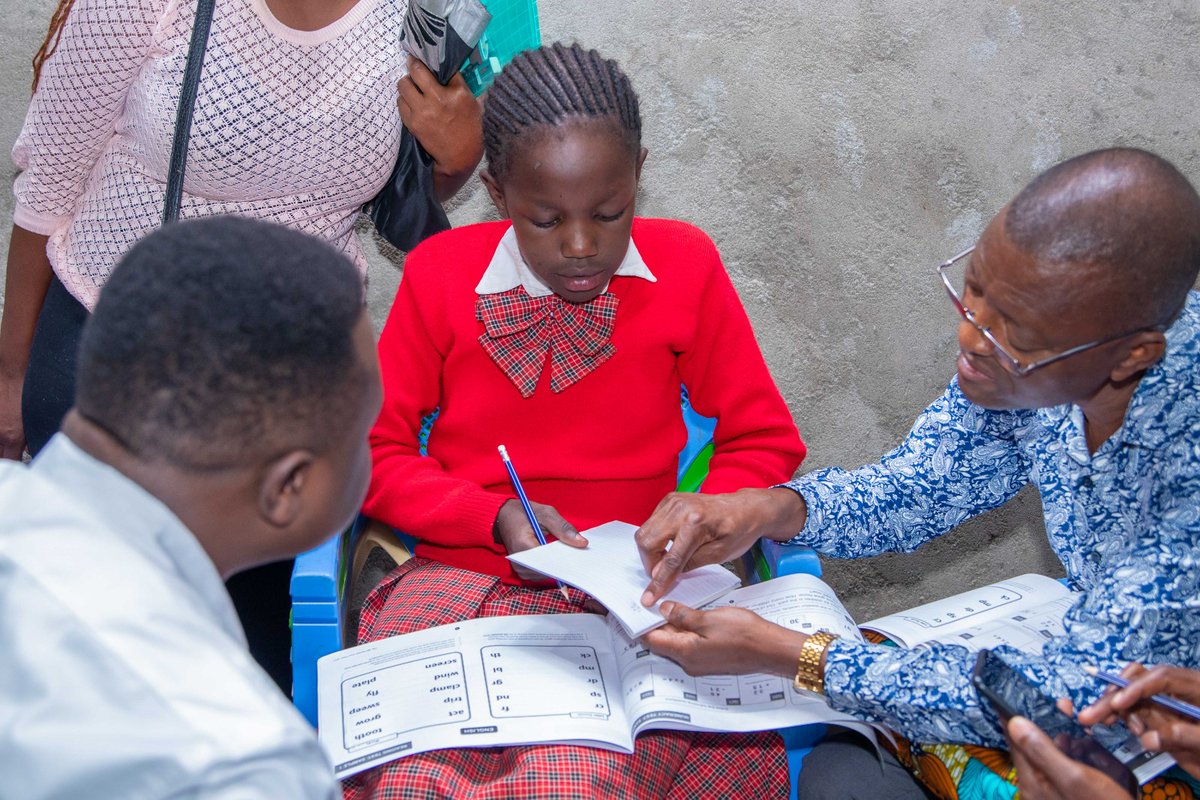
{"type": "Point", "coordinates": [582, 283]}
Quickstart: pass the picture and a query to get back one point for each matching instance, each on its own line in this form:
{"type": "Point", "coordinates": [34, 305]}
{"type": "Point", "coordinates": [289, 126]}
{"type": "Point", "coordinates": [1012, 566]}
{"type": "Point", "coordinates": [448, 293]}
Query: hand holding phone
{"type": "Point", "coordinates": [1011, 695]}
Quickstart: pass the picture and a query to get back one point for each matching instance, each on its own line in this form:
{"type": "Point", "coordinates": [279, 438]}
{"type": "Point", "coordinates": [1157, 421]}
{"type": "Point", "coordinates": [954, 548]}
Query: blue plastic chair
{"type": "Point", "coordinates": [320, 577]}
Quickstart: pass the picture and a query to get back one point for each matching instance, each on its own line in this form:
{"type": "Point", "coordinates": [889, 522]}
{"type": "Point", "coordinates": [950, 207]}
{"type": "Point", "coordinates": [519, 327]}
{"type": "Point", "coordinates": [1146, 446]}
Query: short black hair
{"type": "Point", "coordinates": [1126, 214]}
{"type": "Point", "coordinates": [551, 85]}
{"type": "Point", "coordinates": [221, 341]}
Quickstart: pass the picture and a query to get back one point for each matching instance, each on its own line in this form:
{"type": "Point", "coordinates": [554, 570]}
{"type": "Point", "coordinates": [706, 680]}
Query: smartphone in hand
{"type": "Point", "coordinates": [1010, 694]}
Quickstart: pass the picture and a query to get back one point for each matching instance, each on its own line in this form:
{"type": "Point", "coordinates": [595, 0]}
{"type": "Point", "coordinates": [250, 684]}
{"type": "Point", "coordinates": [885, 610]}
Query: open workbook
{"type": "Point", "coordinates": [575, 678]}
{"type": "Point", "coordinates": [581, 678]}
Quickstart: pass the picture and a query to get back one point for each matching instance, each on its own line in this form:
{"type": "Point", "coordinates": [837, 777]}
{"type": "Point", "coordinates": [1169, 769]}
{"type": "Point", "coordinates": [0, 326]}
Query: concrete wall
{"type": "Point", "coordinates": [836, 152]}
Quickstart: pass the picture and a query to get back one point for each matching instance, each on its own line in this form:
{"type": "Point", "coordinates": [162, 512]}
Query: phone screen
{"type": "Point", "coordinates": [1011, 694]}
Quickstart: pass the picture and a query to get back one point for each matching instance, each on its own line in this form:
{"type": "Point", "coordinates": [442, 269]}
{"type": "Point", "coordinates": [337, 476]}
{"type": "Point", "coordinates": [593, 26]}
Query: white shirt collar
{"type": "Point", "coordinates": [508, 269]}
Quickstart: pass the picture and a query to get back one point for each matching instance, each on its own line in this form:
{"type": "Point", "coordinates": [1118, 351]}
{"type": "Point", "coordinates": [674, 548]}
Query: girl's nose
{"type": "Point", "coordinates": [580, 242]}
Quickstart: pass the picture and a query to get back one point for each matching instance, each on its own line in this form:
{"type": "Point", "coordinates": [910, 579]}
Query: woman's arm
{"type": "Point", "coordinates": [25, 283]}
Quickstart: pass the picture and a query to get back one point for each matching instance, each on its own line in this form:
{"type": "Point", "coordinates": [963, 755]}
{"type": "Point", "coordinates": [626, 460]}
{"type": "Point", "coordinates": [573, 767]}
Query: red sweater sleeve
{"type": "Point", "coordinates": [756, 443]}
{"type": "Point", "coordinates": [410, 491]}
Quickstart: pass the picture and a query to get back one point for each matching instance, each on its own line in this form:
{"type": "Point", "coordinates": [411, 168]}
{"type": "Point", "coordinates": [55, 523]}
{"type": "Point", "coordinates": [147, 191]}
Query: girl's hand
{"type": "Point", "coordinates": [512, 529]}
{"type": "Point", "coordinates": [724, 641]}
{"type": "Point", "coordinates": [446, 120]}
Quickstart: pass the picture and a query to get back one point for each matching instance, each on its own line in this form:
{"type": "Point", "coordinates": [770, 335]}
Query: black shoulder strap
{"type": "Point", "coordinates": [187, 101]}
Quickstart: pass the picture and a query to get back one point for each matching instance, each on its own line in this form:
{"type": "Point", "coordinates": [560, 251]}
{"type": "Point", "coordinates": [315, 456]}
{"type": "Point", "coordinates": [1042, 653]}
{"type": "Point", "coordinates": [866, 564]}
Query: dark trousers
{"type": "Point", "coordinates": [844, 766]}
{"type": "Point", "coordinates": [260, 595]}
{"type": "Point", "coordinates": [49, 387]}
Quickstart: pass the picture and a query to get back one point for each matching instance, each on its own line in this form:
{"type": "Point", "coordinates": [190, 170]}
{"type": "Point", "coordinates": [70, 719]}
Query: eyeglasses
{"type": "Point", "coordinates": [1011, 362]}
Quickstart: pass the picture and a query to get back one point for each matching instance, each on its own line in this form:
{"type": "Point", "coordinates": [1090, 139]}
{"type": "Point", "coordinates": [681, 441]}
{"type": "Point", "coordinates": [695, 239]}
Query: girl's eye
{"type": "Point", "coordinates": [611, 217]}
{"type": "Point", "coordinates": [537, 223]}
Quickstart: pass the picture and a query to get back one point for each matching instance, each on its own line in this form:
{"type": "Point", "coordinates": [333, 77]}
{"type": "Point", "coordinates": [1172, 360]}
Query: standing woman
{"type": "Point", "coordinates": [297, 121]}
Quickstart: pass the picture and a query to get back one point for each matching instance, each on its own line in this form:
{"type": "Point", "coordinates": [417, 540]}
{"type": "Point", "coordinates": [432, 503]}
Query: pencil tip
{"type": "Point", "coordinates": [503, 452]}
{"type": "Point", "coordinates": [1090, 670]}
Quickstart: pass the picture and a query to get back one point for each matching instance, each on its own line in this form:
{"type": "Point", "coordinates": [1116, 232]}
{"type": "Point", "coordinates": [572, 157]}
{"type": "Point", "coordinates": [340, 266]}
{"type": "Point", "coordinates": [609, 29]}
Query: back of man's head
{"type": "Point", "coordinates": [223, 341]}
{"type": "Point", "coordinates": [1123, 218]}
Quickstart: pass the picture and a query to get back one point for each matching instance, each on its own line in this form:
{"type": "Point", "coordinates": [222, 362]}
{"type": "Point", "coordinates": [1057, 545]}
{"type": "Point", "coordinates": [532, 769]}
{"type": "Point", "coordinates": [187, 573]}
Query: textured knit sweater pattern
{"type": "Point", "coordinates": [294, 127]}
{"type": "Point", "coordinates": [607, 446]}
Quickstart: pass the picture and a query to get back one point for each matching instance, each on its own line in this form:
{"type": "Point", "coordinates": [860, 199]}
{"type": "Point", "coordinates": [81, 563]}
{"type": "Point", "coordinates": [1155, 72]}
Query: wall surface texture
{"type": "Point", "coordinates": [836, 152]}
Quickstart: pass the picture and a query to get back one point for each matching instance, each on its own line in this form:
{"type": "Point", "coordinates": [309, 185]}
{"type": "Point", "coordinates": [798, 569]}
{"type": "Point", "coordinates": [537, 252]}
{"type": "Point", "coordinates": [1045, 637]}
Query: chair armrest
{"type": "Point", "coordinates": [316, 618]}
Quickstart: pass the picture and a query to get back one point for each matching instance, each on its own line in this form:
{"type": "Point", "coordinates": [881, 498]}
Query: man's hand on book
{"type": "Point", "coordinates": [512, 529]}
{"type": "Point", "coordinates": [724, 641]}
{"type": "Point", "coordinates": [687, 531]}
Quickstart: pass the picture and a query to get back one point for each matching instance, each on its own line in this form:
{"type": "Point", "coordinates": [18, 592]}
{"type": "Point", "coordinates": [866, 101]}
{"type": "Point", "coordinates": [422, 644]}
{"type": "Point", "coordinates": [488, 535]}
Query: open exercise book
{"type": "Point", "coordinates": [583, 679]}
{"type": "Point", "coordinates": [573, 678]}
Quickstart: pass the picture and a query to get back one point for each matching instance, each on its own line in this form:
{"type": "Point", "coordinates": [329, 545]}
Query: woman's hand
{"type": "Point", "coordinates": [447, 121]}
{"type": "Point", "coordinates": [512, 529]}
{"type": "Point", "coordinates": [12, 430]}
{"type": "Point", "coordinates": [25, 283]}
{"type": "Point", "coordinates": [724, 641]}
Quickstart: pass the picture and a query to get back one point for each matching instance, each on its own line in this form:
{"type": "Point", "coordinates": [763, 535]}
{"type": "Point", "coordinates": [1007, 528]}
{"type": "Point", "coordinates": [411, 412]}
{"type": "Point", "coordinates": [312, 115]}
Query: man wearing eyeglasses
{"type": "Point", "coordinates": [1078, 371]}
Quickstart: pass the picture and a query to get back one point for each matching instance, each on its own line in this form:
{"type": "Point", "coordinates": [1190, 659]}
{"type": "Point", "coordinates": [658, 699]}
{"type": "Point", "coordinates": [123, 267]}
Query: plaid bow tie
{"type": "Point", "coordinates": [519, 329]}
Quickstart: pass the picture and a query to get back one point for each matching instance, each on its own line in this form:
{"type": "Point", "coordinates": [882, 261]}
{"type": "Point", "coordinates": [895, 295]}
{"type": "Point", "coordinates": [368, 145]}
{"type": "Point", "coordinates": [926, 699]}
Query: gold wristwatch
{"type": "Point", "coordinates": [810, 677]}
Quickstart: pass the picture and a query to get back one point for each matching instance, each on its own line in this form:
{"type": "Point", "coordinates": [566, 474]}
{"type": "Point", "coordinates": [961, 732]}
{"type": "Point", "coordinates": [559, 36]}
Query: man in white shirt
{"type": "Point", "coordinates": [227, 383]}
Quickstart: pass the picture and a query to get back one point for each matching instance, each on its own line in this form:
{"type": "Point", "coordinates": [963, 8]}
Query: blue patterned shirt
{"type": "Point", "coordinates": [1124, 521]}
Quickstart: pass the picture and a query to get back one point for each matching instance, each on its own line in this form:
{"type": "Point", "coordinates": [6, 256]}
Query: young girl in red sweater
{"type": "Point", "coordinates": [563, 332]}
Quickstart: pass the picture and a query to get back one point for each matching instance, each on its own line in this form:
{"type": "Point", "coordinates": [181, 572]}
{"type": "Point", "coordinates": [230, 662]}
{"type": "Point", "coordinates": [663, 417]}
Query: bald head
{"type": "Point", "coordinates": [1123, 219]}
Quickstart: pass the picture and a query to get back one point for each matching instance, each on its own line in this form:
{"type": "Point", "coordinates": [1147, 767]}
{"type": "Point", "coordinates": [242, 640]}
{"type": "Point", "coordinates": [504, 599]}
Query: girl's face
{"type": "Point", "coordinates": [570, 192]}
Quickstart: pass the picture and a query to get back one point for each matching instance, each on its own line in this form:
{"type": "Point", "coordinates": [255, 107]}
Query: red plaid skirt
{"type": "Point", "coordinates": [678, 765]}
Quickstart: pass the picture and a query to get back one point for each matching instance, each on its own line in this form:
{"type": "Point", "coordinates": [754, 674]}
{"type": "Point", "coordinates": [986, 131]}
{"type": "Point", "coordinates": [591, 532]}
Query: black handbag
{"type": "Point", "coordinates": [187, 103]}
{"type": "Point", "coordinates": [443, 34]}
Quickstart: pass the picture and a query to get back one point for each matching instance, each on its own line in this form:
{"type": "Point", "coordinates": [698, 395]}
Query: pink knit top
{"type": "Point", "coordinates": [290, 126]}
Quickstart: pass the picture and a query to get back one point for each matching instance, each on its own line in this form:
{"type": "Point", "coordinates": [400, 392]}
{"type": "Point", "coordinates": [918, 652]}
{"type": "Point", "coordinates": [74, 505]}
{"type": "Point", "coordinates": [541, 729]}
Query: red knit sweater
{"type": "Point", "coordinates": [604, 448]}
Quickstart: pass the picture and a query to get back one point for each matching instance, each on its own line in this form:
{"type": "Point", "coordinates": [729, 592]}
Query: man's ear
{"type": "Point", "coordinates": [281, 492]}
{"type": "Point", "coordinates": [641, 159]}
{"type": "Point", "coordinates": [495, 192]}
{"type": "Point", "coordinates": [1145, 350]}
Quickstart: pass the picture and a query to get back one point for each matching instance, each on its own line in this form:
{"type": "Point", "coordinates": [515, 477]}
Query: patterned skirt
{"type": "Point", "coordinates": [678, 765]}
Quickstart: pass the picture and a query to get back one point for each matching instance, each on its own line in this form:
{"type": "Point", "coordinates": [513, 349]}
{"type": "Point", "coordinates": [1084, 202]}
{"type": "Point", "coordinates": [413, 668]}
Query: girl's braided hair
{"type": "Point", "coordinates": [549, 85]}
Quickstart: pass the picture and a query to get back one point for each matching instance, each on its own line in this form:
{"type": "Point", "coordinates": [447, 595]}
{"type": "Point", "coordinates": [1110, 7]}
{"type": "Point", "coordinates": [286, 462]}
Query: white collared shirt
{"type": "Point", "coordinates": [123, 667]}
{"type": "Point", "coordinates": [508, 270]}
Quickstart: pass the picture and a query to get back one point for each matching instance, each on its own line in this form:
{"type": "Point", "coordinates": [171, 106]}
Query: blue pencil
{"type": "Point", "coordinates": [537, 529]}
{"type": "Point", "coordinates": [1178, 706]}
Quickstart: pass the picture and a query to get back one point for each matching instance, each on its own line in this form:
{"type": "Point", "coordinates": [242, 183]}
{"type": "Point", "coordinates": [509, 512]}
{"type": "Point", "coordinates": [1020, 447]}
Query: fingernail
{"type": "Point", "coordinates": [1018, 727]}
{"type": "Point", "coordinates": [1136, 726]}
{"type": "Point", "coordinates": [1151, 741]}
{"type": "Point", "coordinates": [647, 598]}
